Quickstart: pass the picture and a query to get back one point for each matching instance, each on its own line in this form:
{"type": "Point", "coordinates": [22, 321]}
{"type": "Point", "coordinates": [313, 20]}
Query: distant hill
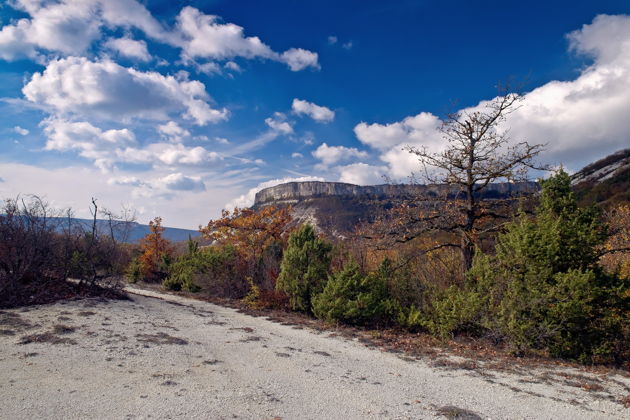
{"type": "Point", "coordinates": [136, 230]}
{"type": "Point", "coordinates": [335, 208]}
{"type": "Point", "coordinates": [605, 182]}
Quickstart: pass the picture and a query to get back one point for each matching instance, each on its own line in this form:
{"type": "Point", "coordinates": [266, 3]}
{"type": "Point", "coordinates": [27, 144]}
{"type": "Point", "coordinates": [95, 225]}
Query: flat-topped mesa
{"type": "Point", "coordinates": [292, 192]}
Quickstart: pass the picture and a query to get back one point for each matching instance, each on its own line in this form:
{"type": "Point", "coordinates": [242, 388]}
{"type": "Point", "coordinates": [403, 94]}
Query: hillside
{"type": "Point", "coordinates": [605, 182]}
{"type": "Point", "coordinates": [136, 230]}
{"type": "Point", "coordinates": [336, 208]}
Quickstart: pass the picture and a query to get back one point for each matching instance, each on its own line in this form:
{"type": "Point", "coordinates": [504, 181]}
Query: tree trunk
{"type": "Point", "coordinates": [468, 250]}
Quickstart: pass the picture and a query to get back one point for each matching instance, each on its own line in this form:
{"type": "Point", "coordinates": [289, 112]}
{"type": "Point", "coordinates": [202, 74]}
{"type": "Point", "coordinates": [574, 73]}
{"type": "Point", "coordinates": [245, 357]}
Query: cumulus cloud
{"type": "Point", "coordinates": [70, 27]}
{"type": "Point", "coordinates": [129, 48]}
{"type": "Point", "coordinates": [207, 36]}
{"type": "Point", "coordinates": [419, 128]}
{"type": "Point", "coordinates": [581, 120]}
{"type": "Point", "coordinates": [21, 131]}
{"type": "Point", "coordinates": [89, 141]}
{"type": "Point", "coordinates": [173, 132]}
{"type": "Point", "coordinates": [247, 199]}
{"type": "Point", "coordinates": [106, 148]}
{"type": "Point", "coordinates": [181, 182]}
{"type": "Point", "coordinates": [168, 154]}
{"type": "Point", "coordinates": [299, 59]}
{"type": "Point", "coordinates": [330, 155]}
{"type": "Point", "coordinates": [279, 124]}
{"type": "Point", "coordinates": [15, 43]}
{"type": "Point", "coordinates": [163, 186]}
{"type": "Point", "coordinates": [362, 174]}
{"type": "Point", "coordinates": [316, 112]}
{"type": "Point", "coordinates": [104, 89]}
{"type": "Point", "coordinates": [585, 118]}
{"type": "Point", "coordinates": [297, 155]}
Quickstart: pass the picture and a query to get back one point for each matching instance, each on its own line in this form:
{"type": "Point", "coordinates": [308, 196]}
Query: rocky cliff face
{"type": "Point", "coordinates": [335, 208]}
{"type": "Point", "coordinates": [297, 191]}
{"type": "Point", "coordinates": [605, 182]}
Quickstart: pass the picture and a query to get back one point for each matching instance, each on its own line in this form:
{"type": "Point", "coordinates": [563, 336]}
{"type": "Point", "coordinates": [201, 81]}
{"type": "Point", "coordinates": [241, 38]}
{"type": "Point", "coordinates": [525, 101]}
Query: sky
{"type": "Point", "coordinates": [180, 109]}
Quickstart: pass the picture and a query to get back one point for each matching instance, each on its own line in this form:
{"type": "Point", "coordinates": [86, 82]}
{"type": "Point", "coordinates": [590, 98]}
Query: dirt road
{"type": "Point", "coordinates": [179, 358]}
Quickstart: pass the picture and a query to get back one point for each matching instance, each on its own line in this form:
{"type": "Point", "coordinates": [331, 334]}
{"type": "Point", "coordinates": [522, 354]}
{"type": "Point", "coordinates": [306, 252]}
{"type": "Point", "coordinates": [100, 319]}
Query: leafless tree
{"type": "Point", "coordinates": [477, 153]}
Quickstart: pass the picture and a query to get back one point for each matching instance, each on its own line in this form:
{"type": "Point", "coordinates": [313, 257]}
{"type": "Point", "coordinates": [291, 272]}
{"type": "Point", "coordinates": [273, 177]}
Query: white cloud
{"type": "Point", "coordinates": [104, 89]}
{"type": "Point", "coordinates": [168, 154]}
{"type": "Point", "coordinates": [247, 199]}
{"type": "Point", "coordinates": [206, 36]}
{"type": "Point", "coordinates": [585, 118]}
{"type": "Point", "coordinates": [419, 128]}
{"type": "Point", "coordinates": [332, 39]}
{"type": "Point", "coordinates": [71, 26]}
{"type": "Point", "coordinates": [21, 131]}
{"type": "Point", "coordinates": [279, 124]}
{"type": "Point", "coordinates": [132, 181]}
{"type": "Point", "coordinates": [362, 174]}
{"type": "Point", "coordinates": [297, 155]}
{"type": "Point", "coordinates": [581, 120]}
{"type": "Point", "coordinates": [221, 140]}
{"type": "Point", "coordinates": [231, 65]}
{"type": "Point", "coordinates": [173, 132]}
{"type": "Point", "coordinates": [90, 142]}
{"type": "Point", "coordinates": [347, 45]}
{"type": "Point", "coordinates": [299, 59]}
{"type": "Point", "coordinates": [161, 186]}
{"type": "Point", "coordinates": [14, 42]}
{"type": "Point", "coordinates": [390, 140]}
{"type": "Point", "coordinates": [316, 112]}
{"type": "Point", "coordinates": [330, 155]}
{"type": "Point", "coordinates": [180, 182]}
{"type": "Point", "coordinates": [129, 48]}
{"type": "Point", "coordinates": [107, 148]}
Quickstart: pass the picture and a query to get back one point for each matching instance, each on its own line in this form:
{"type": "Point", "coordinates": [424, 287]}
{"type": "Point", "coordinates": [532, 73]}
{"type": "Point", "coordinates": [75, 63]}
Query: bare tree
{"type": "Point", "coordinates": [477, 153]}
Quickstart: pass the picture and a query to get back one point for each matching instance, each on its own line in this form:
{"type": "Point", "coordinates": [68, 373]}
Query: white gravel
{"type": "Point", "coordinates": [237, 366]}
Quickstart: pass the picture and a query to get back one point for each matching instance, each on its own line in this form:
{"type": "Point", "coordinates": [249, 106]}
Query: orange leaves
{"type": "Point", "coordinates": [154, 249]}
{"type": "Point", "coordinates": [250, 230]}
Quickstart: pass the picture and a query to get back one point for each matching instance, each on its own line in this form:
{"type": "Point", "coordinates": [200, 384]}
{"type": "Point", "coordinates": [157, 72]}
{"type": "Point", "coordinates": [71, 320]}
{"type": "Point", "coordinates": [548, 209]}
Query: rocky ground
{"type": "Point", "coordinates": [164, 356]}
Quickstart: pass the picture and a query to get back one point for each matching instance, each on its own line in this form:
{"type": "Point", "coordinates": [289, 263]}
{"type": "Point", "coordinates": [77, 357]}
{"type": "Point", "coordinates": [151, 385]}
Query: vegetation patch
{"type": "Point", "coordinates": [63, 329]}
{"type": "Point", "coordinates": [455, 413]}
{"type": "Point", "coordinates": [161, 338]}
{"type": "Point", "coordinates": [47, 337]}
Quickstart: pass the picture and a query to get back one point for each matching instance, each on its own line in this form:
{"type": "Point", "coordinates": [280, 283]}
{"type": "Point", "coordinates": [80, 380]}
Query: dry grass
{"type": "Point", "coordinates": [452, 412]}
{"type": "Point", "coordinates": [161, 338]}
{"type": "Point", "coordinates": [47, 337]}
{"type": "Point", "coordinates": [63, 329]}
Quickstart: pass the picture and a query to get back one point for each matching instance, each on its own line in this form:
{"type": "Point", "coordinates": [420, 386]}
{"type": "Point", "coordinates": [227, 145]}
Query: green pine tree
{"type": "Point", "coordinates": [304, 268]}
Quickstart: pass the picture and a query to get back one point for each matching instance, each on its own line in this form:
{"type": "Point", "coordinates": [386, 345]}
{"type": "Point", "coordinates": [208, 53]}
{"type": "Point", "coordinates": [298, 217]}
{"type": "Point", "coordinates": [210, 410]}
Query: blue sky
{"type": "Point", "coordinates": [180, 108]}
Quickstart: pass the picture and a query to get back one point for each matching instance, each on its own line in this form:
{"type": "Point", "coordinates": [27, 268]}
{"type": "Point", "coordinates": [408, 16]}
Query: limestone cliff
{"type": "Point", "coordinates": [335, 208]}
{"type": "Point", "coordinates": [298, 191]}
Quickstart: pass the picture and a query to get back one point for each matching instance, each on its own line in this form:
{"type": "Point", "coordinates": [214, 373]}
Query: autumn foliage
{"type": "Point", "coordinates": [156, 252]}
{"type": "Point", "coordinates": [259, 237]}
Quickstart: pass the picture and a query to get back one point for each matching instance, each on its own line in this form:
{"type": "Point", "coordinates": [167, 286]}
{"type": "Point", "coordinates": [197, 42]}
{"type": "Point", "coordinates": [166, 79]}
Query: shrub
{"type": "Point", "coordinates": [354, 298]}
{"type": "Point", "coordinates": [259, 298]}
{"type": "Point", "coordinates": [134, 271]}
{"type": "Point", "coordinates": [544, 289]}
{"type": "Point", "coordinates": [214, 270]}
{"type": "Point", "coordinates": [156, 252]}
{"type": "Point", "coordinates": [304, 268]}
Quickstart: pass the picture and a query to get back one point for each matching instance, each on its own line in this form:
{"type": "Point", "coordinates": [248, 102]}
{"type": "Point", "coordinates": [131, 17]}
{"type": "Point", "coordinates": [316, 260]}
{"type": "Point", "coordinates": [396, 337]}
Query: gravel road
{"type": "Point", "coordinates": [179, 358]}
